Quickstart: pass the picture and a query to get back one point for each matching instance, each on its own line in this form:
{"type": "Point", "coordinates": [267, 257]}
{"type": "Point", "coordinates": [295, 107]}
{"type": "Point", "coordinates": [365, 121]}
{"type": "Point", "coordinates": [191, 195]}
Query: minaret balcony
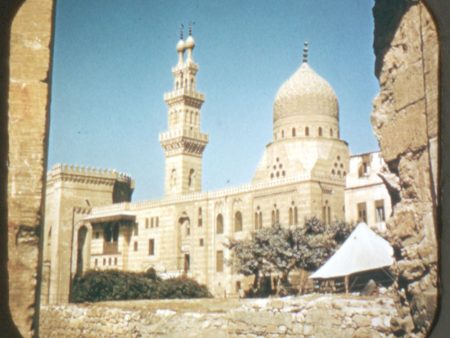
{"type": "Point", "coordinates": [187, 133]}
{"type": "Point", "coordinates": [183, 92]}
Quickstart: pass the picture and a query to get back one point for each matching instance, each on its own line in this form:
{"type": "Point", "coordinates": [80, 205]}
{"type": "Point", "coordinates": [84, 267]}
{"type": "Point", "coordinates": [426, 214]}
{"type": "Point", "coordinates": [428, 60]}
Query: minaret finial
{"type": "Point", "coordinates": [190, 27]}
{"type": "Point", "coordinates": [181, 31]}
{"type": "Point", "coordinates": [305, 52]}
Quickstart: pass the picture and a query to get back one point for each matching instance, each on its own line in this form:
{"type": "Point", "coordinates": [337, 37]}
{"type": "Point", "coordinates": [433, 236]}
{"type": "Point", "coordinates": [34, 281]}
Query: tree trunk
{"type": "Point", "coordinates": [256, 281]}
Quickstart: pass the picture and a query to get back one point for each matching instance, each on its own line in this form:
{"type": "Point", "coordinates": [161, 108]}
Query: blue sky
{"type": "Point", "coordinates": [112, 64]}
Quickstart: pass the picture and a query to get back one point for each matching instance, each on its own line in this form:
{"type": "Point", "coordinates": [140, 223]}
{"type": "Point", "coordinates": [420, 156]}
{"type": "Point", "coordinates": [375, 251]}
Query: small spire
{"type": "Point", "coordinates": [181, 31]}
{"type": "Point", "coordinates": [305, 52]}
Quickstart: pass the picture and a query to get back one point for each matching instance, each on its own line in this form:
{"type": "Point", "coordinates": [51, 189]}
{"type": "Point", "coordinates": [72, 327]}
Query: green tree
{"type": "Point", "coordinates": [283, 249]}
{"type": "Point", "coordinates": [247, 259]}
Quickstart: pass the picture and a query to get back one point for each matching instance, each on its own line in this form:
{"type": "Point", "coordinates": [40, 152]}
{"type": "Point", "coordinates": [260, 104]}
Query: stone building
{"type": "Point", "coordinates": [366, 196]}
{"type": "Point", "coordinates": [71, 193]}
{"type": "Point", "coordinates": [301, 174]}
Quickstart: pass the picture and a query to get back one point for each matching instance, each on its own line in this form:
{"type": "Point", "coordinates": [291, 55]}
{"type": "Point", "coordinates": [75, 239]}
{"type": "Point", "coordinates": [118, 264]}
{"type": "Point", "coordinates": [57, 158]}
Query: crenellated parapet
{"type": "Point", "coordinates": [87, 175]}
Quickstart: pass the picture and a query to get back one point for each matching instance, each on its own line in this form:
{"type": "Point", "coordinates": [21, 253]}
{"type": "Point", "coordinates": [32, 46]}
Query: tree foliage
{"type": "Point", "coordinates": [96, 286]}
{"type": "Point", "coordinates": [282, 249]}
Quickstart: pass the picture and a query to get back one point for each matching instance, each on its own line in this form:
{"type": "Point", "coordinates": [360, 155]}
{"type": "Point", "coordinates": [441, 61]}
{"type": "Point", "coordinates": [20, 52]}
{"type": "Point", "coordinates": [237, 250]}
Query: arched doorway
{"type": "Point", "coordinates": [81, 250]}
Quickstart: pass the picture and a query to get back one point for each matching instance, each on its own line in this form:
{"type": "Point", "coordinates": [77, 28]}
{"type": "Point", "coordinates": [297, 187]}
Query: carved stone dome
{"type": "Point", "coordinates": [305, 94]}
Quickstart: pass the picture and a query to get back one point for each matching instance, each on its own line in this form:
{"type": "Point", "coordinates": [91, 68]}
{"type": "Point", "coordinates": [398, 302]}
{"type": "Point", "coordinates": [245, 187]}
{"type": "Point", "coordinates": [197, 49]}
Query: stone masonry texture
{"type": "Point", "coordinates": [315, 315]}
{"type": "Point", "coordinates": [405, 121]}
{"type": "Point", "coordinates": [27, 127]}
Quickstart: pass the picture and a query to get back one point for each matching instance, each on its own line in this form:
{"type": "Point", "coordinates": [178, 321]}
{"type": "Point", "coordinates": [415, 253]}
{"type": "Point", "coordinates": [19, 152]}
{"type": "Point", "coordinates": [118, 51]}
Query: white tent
{"type": "Point", "coordinates": [363, 250]}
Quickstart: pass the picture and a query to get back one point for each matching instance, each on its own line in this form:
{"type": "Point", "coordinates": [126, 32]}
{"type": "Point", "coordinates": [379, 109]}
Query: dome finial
{"type": "Point", "coordinates": [305, 52]}
{"type": "Point", "coordinates": [181, 31]}
{"type": "Point", "coordinates": [190, 42]}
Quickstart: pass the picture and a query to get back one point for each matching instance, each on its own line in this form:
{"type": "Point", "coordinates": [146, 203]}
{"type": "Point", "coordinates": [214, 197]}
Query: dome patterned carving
{"type": "Point", "coordinates": [305, 93]}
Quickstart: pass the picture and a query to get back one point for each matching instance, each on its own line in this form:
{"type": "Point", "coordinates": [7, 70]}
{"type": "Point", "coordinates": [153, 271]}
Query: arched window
{"type": "Point", "coordinates": [331, 132]}
{"type": "Point", "coordinates": [192, 83]}
{"type": "Point", "coordinates": [291, 216]}
{"type": "Point", "coordinates": [173, 178]}
{"type": "Point", "coordinates": [219, 224]}
{"type": "Point", "coordinates": [177, 85]}
{"type": "Point", "coordinates": [258, 218]}
{"type": "Point", "coordinates": [191, 178]}
{"type": "Point", "coordinates": [282, 134]}
{"type": "Point", "coordinates": [295, 215]}
{"type": "Point", "coordinates": [293, 132]}
{"type": "Point", "coordinates": [306, 131]}
{"type": "Point", "coordinates": [275, 215]}
{"type": "Point", "coordinates": [238, 221]}
{"type": "Point", "coordinates": [320, 131]}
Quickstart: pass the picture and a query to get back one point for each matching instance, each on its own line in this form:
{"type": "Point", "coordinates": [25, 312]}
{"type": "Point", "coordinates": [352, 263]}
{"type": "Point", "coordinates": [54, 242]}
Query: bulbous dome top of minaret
{"type": "Point", "coordinates": [190, 42]}
{"type": "Point", "coordinates": [181, 45]}
{"type": "Point", "coordinates": [305, 93]}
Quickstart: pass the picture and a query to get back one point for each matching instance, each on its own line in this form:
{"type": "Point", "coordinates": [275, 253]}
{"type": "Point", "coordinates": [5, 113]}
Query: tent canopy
{"type": "Point", "coordinates": [363, 250]}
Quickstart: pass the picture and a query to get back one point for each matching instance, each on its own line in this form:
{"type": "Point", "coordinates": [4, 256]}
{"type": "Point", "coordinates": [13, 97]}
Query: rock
{"type": "Point", "coordinates": [365, 332]}
{"type": "Point", "coordinates": [361, 321]}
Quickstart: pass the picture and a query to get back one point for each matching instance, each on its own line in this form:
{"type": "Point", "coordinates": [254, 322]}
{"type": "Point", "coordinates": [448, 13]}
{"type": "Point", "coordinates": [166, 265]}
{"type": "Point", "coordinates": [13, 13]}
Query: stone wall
{"type": "Point", "coordinates": [405, 121]}
{"type": "Point", "coordinates": [29, 65]}
{"type": "Point", "coordinates": [308, 316]}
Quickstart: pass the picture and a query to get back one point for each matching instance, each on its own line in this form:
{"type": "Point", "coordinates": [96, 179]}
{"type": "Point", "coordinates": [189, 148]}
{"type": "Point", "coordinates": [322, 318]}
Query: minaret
{"type": "Point", "coordinates": [184, 143]}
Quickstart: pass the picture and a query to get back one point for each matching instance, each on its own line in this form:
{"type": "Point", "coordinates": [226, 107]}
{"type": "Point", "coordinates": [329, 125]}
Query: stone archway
{"type": "Point", "coordinates": [81, 251]}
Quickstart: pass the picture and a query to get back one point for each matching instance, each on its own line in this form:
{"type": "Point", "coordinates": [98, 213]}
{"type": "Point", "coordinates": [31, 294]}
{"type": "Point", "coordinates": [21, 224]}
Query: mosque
{"type": "Point", "coordinates": [306, 170]}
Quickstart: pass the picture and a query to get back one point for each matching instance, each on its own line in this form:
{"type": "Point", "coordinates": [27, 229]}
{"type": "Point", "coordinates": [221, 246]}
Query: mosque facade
{"type": "Point", "coordinates": [91, 222]}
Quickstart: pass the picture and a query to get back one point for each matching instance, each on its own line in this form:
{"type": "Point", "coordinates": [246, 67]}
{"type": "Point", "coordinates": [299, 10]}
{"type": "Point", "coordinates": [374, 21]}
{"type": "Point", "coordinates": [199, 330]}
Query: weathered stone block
{"type": "Point", "coordinates": [405, 132]}
{"type": "Point", "coordinates": [408, 86]}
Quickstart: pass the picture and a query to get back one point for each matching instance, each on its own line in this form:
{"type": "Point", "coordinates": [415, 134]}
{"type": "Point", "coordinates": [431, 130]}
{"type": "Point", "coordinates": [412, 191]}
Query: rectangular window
{"type": "Point", "coordinates": [219, 261]}
{"type": "Point", "coordinates": [97, 235]}
{"type": "Point", "coordinates": [151, 223]}
{"type": "Point", "coordinates": [151, 247]}
{"type": "Point", "coordinates": [200, 219]}
{"type": "Point", "coordinates": [362, 212]}
{"type": "Point", "coordinates": [136, 229]}
{"type": "Point", "coordinates": [201, 242]}
{"type": "Point", "coordinates": [146, 223]}
{"type": "Point", "coordinates": [157, 222]}
{"type": "Point", "coordinates": [135, 246]}
{"type": "Point", "coordinates": [379, 211]}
